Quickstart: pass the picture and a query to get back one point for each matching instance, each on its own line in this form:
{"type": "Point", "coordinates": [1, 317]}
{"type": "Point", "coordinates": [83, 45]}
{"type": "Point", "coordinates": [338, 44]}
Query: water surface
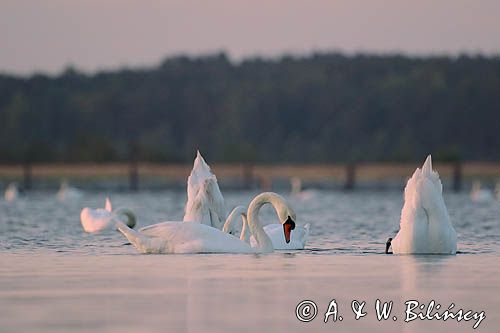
{"type": "Point", "coordinates": [56, 278]}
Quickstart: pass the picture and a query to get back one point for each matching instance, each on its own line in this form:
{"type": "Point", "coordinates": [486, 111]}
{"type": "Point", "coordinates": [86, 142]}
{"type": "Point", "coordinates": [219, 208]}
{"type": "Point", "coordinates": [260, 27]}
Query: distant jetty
{"type": "Point", "coordinates": [148, 176]}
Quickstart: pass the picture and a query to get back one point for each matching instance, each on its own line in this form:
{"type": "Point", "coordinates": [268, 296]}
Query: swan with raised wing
{"type": "Point", "coordinates": [185, 237]}
{"type": "Point", "coordinates": [425, 226]}
{"type": "Point", "coordinates": [95, 220]}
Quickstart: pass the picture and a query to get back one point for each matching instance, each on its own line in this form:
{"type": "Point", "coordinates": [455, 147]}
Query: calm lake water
{"type": "Point", "coordinates": [56, 278]}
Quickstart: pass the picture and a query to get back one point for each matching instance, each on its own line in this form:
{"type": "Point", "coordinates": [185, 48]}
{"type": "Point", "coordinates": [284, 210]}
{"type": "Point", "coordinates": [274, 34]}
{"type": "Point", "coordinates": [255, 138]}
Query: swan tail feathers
{"type": "Point", "coordinates": [108, 205]}
{"type": "Point", "coordinates": [427, 167]}
{"type": "Point", "coordinates": [143, 243]}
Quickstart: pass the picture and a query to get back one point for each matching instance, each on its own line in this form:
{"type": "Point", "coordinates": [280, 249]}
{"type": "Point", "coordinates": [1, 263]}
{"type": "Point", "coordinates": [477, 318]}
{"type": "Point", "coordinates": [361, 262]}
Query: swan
{"type": "Point", "coordinates": [189, 237]}
{"type": "Point", "coordinates": [298, 237]}
{"type": "Point", "coordinates": [203, 182]}
{"type": "Point", "coordinates": [479, 194]}
{"type": "Point", "coordinates": [66, 192]}
{"type": "Point", "coordinates": [229, 227]}
{"type": "Point", "coordinates": [95, 220]}
{"type": "Point", "coordinates": [297, 191]}
{"type": "Point", "coordinates": [425, 226]}
{"type": "Point", "coordinates": [11, 193]}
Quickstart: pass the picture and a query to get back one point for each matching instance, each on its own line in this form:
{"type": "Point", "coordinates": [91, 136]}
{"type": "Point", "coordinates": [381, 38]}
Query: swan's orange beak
{"type": "Point", "coordinates": [288, 226]}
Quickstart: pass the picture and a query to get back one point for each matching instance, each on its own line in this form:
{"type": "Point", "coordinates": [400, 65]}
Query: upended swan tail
{"type": "Point", "coordinates": [130, 216]}
{"type": "Point", "coordinates": [143, 243]}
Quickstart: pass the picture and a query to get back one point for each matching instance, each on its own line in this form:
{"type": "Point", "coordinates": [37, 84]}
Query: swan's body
{"type": "Point", "coordinates": [205, 203]}
{"type": "Point", "coordinates": [425, 225]}
{"type": "Point", "coordinates": [66, 192]}
{"type": "Point", "coordinates": [95, 220]}
{"type": "Point", "coordinates": [190, 237]}
{"type": "Point", "coordinates": [479, 194]}
{"type": "Point", "coordinates": [11, 193]}
{"type": "Point", "coordinates": [298, 236]}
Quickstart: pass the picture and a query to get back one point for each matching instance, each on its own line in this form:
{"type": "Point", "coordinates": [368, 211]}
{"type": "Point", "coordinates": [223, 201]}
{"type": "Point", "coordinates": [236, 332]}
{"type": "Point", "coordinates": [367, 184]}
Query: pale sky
{"type": "Point", "coordinates": [48, 35]}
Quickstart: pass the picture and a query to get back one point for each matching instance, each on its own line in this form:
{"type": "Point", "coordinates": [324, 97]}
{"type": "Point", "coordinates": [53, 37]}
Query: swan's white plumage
{"type": "Point", "coordinates": [425, 225]}
{"type": "Point", "coordinates": [192, 237]}
{"type": "Point", "coordinates": [99, 219]}
{"type": "Point", "coordinates": [108, 205]}
{"type": "Point", "coordinates": [66, 192]}
{"type": "Point", "coordinates": [480, 194]}
{"type": "Point", "coordinates": [11, 193]}
{"type": "Point", "coordinates": [184, 237]}
{"type": "Point", "coordinates": [231, 228]}
{"type": "Point", "coordinates": [205, 203]}
{"type": "Point", "coordinates": [297, 191]}
{"type": "Point", "coordinates": [298, 237]}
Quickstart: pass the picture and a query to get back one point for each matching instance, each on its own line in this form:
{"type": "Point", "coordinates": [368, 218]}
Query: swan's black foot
{"type": "Point", "coordinates": [388, 246]}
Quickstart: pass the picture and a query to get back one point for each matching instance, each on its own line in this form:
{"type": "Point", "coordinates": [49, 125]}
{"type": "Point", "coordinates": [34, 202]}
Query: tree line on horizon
{"type": "Point", "coordinates": [315, 109]}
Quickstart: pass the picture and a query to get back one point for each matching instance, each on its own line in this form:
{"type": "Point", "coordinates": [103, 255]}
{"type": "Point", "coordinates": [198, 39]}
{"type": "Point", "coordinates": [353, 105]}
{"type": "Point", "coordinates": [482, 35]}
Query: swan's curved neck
{"type": "Point", "coordinates": [263, 240]}
{"type": "Point", "coordinates": [131, 220]}
{"type": "Point", "coordinates": [233, 216]}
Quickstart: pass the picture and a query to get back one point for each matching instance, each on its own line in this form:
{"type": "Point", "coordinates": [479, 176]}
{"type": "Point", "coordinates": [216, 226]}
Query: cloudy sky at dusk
{"type": "Point", "coordinates": [105, 34]}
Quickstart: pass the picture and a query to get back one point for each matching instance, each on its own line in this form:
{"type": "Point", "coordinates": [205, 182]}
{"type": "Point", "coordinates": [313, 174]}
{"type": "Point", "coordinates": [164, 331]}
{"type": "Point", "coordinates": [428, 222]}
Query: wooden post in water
{"type": "Point", "coordinates": [457, 176]}
{"type": "Point", "coordinates": [247, 176]}
{"type": "Point", "coordinates": [266, 184]}
{"type": "Point", "coordinates": [133, 177]}
{"type": "Point", "coordinates": [350, 179]}
{"type": "Point", "coordinates": [27, 176]}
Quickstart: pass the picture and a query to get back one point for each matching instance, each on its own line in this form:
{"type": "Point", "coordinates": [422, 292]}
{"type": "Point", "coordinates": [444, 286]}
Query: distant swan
{"type": "Point", "coordinates": [95, 220]}
{"type": "Point", "coordinates": [11, 193]}
{"type": "Point", "coordinates": [479, 194]}
{"type": "Point", "coordinates": [66, 192]}
{"type": "Point", "coordinates": [297, 191]}
{"type": "Point", "coordinates": [209, 210]}
{"type": "Point", "coordinates": [188, 237]}
{"type": "Point", "coordinates": [298, 237]}
{"type": "Point", "coordinates": [425, 226]}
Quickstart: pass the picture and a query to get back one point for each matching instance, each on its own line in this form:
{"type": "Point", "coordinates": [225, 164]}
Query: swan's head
{"type": "Point", "coordinates": [230, 226]}
{"type": "Point", "coordinates": [286, 216]}
{"type": "Point", "coordinates": [288, 226]}
{"type": "Point", "coordinates": [388, 245]}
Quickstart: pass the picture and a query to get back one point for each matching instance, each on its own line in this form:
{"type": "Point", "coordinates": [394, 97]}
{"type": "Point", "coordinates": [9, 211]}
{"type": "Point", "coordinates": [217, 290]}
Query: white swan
{"type": "Point", "coordinates": [230, 228]}
{"type": "Point", "coordinates": [185, 237]}
{"type": "Point", "coordinates": [66, 192]}
{"type": "Point", "coordinates": [479, 194]}
{"type": "Point", "coordinates": [11, 193]}
{"type": "Point", "coordinates": [209, 210]}
{"type": "Point", "coordinates": [95, 220]}
{"type": "Point", "coordinates": [298, 237]}
{"type": "Point", "coordinates": [297, 191]}
{"type": "Point", "coordinates": [425, 225]}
